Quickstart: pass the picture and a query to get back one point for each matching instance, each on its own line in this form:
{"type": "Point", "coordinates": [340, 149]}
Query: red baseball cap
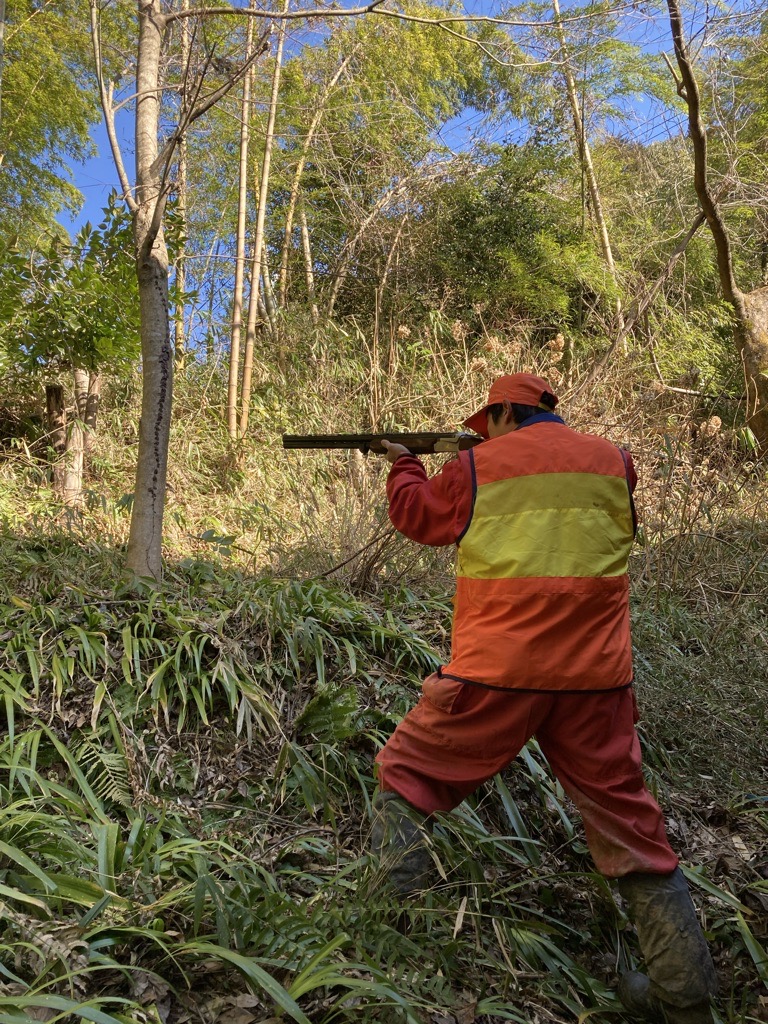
{"type": "Point", "coordinates": [521, 388]}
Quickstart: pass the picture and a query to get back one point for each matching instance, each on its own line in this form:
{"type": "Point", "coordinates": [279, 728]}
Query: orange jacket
{"type": "Point", "coordinates": [542, 597]}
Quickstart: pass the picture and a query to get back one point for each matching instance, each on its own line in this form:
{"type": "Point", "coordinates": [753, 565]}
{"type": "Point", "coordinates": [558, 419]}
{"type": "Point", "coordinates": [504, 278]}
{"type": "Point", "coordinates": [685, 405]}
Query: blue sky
{"type": "Point", "coordinates": [97, 177]}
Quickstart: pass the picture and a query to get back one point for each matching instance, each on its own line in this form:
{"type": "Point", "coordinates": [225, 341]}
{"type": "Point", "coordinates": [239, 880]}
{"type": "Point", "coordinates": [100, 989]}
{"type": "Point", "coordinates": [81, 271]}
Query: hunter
{"type": "Point", "coordinates": [544, 519]}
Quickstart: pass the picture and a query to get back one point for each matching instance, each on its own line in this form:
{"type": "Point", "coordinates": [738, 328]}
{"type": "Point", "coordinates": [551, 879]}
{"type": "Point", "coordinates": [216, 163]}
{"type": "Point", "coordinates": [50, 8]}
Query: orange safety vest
{"type": "Point", "coordinates": [542, 595]}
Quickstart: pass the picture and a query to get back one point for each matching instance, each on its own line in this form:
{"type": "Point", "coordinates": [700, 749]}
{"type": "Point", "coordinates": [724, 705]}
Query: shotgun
{"type": "Point", "coordinates": [417, 444]}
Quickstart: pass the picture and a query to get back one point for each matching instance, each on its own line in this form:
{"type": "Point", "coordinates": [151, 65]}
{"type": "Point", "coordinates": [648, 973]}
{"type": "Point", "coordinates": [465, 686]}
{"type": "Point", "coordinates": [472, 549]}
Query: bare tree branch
{"type": "Point", "coordinates": [698, 137]}
{"type": "Point", "coordinates": [678, 83]}
{"type": "Point", "coordinates": [643, 303]}
{"type": "Point", "coordinates": [375, 8]}
{"type": "Point", "coordinates": [109, 111]}
{"type": "Point", "coordinates": [296, 182]}
{"type": "Point", "coordinates": [201, 106]}
{"type": "Point", "coordinates": [319, 12]}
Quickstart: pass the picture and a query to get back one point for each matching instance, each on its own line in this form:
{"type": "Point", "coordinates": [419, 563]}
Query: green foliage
{"type": "Point", "coordinates": [171, 662]}
{"type": "Point", "coordinates": [612, 73]}
{"type": "Point", "coordinates": [49, 105]}
{"type": "Point", "coordinates": [504, 244]}
{"type": "Point", "coordinates": [737, 97]}
{"type": "Point", "coordinates": [74, 304]}
{"type": "Point", "coordinates": [695, 347]}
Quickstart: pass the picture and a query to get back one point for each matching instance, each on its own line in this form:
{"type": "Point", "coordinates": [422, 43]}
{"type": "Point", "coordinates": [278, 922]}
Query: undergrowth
{"type": "Point", "coordinates": [187, 769]}
{"type": "Point", "coordinates": [186, 785]}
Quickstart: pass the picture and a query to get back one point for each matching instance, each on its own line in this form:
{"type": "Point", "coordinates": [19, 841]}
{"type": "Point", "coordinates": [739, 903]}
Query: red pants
{"type": "Point", "coordinates": [459, 735]}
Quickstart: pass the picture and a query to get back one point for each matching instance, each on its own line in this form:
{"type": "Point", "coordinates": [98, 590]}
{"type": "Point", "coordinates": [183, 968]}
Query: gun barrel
{"type": "Point", "coordinates": [326, 440]}
{"type": "Point", "coordinates": [419, 444]}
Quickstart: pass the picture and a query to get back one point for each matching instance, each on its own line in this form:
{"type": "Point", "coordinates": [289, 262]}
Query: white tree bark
{"type": "Point", "coordinates": [588, 167]}
{"type": "Point", "coordinates": [309, 272]}
{"type": "Point", "coordinates": [257, 262]}
{"type": "Point", "coordinates": [87, 400]}
{"type": "Point", "coordinates": [81, 391]}
{"type": "Point", "coordinates": [92, 403]}
{"type": "Point", "coordinates": [72, 483]}
{"type": "Point", "coordinates": [242, 203]}
{"type": "Point", "coordinates": [2, 57]}
{"type": "Point", "coordinates": [144, 556]}
{"type": "Point", "coordinates": [296, 182]}
{"type": "Point", "coordinates": [179, 334]}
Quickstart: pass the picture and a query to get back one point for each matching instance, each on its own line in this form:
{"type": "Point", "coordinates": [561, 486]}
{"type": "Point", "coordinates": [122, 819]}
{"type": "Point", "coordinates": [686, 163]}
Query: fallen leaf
{"type": "Point", "coordinates": [467, 1014]}
{"type": "Point", "coordinates": [741, 848]}
{"type": "Point", "coordinates": [236, 1015]}
{"type": "Point", "coordinates": [460, 917]}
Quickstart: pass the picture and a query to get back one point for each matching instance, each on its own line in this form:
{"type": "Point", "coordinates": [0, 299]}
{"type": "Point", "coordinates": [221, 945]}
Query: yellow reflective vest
{"type": "Point", "coordinates": [542, 595]}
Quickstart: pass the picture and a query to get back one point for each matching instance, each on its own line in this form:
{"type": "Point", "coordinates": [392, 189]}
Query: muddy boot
{"type": "Point", "coordinates": [635, 995]}
{"type": "Point", "coordinates": [681, 977]}
{"type": "Point", "coordinates": [399, 839]}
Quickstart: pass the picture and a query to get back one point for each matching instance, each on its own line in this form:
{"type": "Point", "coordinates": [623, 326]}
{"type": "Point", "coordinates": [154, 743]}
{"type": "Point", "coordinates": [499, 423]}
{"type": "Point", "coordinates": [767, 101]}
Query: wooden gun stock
{"type": "Point", "coordinates": [418, 444]}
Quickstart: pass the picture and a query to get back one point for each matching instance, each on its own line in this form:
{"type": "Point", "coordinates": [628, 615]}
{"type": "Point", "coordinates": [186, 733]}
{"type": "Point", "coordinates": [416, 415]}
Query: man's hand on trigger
{"type": "Point", "coordinates": [394, 451]}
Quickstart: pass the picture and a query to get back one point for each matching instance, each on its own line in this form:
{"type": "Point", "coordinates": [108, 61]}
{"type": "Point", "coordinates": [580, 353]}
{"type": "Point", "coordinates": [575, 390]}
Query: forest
{"type": "Point", "coordinates": [334, 218]}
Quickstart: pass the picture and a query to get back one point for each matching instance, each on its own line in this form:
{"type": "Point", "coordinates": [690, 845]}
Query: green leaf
{"type": "Point", "coordinates": [328, 975]}
{"type": "Point", "coordinates": [87, 1011]}
{"type": "Point", "coordinates": [14, 854]}
{"type": "Point", "coordinates": [516, 821]}
{"type": "Point", "coordinates": [22, 897]}
{"type": "Point", "coordinates": [695, 878]}
{"type": "Point", "coordinates": [254, 974]}
{"type": "Point", "coordinates": [756, 951]}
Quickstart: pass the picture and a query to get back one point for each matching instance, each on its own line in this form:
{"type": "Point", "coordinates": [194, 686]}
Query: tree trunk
{"type": "Point", "coordinates": [72, 470]}
{"type": "Point", "coordinates": [144, 556]}
{"type": "Point", "coordinates": [210, 337]}
{"type": "Point", "coordinates": [81, 391]}
{"type": "Point", "coordinates": [587, 166]}
{"type": "Point", "coordinates": [56, 422]}
{"type": "Point", "coordinates": [2, 57]}
{"type": "Point", "coordinates": [180, 283]}
{"type": "Point", "coordinates": [296, 182]}
{"type": "Point", "coordinates": [309, 272]}
{"type": "Point", "coordinates": [752, 339]}
{"type": "Point", "coordinates": [750, 309]}
{"type": "Point", "coordinates": [257, 263]}
{"type": "Point", "coordinates": [77, 438]}
{"type": "Point", "coordinates": [242, 204]}
{"type": "Point", "coordinates": [92, 405]}
{"type": "Point", "coordinates": [87, 399]}
{"type": "Point", "coordinates": [66, 442]}
{"type": "Point", "coordinates": [179, 336]}
{"type": "Point", "coordinates": [270, 301]}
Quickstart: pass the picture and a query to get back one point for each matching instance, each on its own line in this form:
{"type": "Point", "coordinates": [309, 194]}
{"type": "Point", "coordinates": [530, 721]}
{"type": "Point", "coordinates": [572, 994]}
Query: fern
{"type": "Point", "coordinates": [106, 771]}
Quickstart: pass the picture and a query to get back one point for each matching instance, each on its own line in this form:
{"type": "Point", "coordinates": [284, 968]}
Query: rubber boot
{"type": "Point", "coordinates": [635, 995]}
{"type": "Point", "coordinates": [399, 838]}
{"type": "Point", "coordinates": [681, 977]}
